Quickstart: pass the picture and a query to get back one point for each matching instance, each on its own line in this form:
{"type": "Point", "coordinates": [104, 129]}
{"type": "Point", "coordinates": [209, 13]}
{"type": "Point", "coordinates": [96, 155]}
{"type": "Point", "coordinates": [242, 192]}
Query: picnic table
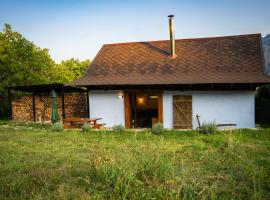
{"type": "Point", "coordinates": [76, 122]}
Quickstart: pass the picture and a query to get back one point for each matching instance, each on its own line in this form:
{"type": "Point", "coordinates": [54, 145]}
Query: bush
{"type": "Point", "coordinates": [57, 127]}
{"type": "Point", "coordinates": [157, 128]}
{"type": "Point", "coordinates": [118, 128]}
{"type": "Point", "coordinates": [208, 128]}
{"type": "Point", "coordinates": [86, 127]}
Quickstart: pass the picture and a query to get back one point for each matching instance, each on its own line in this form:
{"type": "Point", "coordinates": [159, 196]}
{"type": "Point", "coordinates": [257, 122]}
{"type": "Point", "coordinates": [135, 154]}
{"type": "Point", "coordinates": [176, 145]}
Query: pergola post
{"type": "Point", "coordinates": [88, 109]}
{"type": "Point", "coordinates": [9, 104]}
{"type": "Point", "coordinates": [63, 103]}
{"type": "Point", "coordinates": [34, 106]}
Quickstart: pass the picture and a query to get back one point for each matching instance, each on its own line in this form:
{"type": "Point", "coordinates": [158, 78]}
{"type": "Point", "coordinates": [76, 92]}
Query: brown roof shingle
{"type": "Point", "coordinates": [231, 59]}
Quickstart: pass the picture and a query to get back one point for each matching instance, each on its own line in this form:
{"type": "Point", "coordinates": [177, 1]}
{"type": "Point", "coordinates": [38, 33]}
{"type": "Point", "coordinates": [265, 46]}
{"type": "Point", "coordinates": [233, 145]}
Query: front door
{"type": "Point", "coordinates": [182, 112]}
{"type": "Point", "coordinates": [142, 109]}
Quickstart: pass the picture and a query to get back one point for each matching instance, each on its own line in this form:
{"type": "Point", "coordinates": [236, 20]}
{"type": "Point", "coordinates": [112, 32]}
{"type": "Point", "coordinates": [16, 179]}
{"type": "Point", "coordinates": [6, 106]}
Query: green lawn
{"type": "Point", "coordinates": [40, 164]}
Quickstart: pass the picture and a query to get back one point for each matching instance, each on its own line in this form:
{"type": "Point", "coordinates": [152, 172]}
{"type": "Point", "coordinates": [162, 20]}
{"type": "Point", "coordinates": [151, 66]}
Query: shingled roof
{"type": "Point", "coordinates": [231, 59]}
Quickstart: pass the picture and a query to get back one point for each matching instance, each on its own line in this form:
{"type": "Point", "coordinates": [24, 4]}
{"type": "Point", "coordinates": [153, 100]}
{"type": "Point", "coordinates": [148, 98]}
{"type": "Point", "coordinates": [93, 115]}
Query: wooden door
{"type": "Point", "coordinates": [182, 112]}
{"type": "Point", "coordinates": [129, 111]}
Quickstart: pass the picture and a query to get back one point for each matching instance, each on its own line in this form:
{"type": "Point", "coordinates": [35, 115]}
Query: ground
{"type": "Point", "coordinates": [37, 163]}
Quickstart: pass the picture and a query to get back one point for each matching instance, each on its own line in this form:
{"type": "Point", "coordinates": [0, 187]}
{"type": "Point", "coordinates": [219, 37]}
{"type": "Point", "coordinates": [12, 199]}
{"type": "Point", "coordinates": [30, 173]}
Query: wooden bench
{"type": "Point", "coordinates": [75, 122]}
{"type": "Point", "coordinates": [218, 125]}
{"type": "Point", "coordinates": [98, 126]}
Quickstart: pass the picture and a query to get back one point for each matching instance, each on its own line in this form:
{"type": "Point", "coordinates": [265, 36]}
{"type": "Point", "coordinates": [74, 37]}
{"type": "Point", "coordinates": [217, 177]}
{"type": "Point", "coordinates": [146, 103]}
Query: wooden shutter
{"type": "Point", "coordinates": [182, 112]}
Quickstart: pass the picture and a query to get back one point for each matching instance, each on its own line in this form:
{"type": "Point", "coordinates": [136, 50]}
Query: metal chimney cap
{"type": "Point", "coordinates": [170, 16]}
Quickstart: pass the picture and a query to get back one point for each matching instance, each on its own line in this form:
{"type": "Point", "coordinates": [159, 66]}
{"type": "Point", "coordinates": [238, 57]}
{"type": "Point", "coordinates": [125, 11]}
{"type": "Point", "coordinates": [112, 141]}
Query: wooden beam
{"type": "Point", "coordinates": [160, 108]}
{"type": "Point", "coordinates": [133, 111]}
{"type": "Point", "coordinates": [88, 107]}
{"type": "Point", "coordinates": [180, 87]}
{"type": "Point", "coordinates": [127, 110]}
{"type": "Point", "coordinates": [63, 103]}
{"type": "Point", "coordinates": [198, 120]}
{"type": "Point", "coordinates": [34, 106]}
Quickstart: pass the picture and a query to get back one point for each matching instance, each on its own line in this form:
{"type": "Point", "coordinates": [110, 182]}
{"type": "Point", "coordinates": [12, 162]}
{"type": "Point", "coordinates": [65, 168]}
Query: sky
{"type": "Point", "coordinates": [79, 28]}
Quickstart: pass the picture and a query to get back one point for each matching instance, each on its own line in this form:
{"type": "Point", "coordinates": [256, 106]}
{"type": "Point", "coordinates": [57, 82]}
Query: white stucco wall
{"type": "Point", "coordinates": [236, 107]}
{"type": "Point", "coordinates": [108, 106]}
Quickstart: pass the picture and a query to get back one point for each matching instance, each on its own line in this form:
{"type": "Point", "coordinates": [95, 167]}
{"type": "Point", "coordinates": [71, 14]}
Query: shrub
{"type": "Point", "coordinates": [208, 128]}
{"type": "Point", "coordinates": [118, 128]}
{"type": "Point", "coordinates": [157, 128]}
{"type": "Point", "coordinates": [57, 127]}
{"type": "Point", "coordinates": [86, 127]}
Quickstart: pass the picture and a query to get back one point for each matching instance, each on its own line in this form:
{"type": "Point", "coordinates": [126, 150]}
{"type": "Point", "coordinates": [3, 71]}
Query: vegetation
{"type": "Point", "coordinates": [24, 63]}
{"type": "Point", "coordinates": [208, 128]}
{"type": "Point", "coordinates": [72, 69]}
{"type": "Point", "coordinates": [57, 127]}
{"type": "Point", "coordinates": [262, 105]}
{"type": "Point", "coordinates": [263, 92]}
{"type": "Point", "coordinates": [157, 128]}
{"type": "Point", "coordinates": [118, 128]}
{"type": "Point", "coordinates": [39, 164]}
{"type": "Point", "coordinates": [86, 127]}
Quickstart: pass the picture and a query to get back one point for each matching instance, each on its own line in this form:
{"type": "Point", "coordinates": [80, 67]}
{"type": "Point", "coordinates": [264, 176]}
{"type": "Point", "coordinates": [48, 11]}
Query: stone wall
{"type": "Point", "coordinates": [75, 106]}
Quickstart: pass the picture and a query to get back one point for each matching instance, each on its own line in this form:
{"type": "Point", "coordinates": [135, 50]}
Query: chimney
{"type": "Point", "coordinates": [172, 39]}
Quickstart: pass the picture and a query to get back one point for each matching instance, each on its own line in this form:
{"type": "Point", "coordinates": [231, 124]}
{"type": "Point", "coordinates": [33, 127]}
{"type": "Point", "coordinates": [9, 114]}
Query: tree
{"type": "Point", "coordinates": [72, 69]}
{"type": "Point", "coordinates": [24, 63]}
{"type": "Point", "coordinates": [21, 63]}
{"type": "Point", "coordinates": [263, 93]}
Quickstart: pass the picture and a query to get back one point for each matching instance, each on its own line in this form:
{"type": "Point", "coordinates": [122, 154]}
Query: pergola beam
{"type": "Point", "coordinates": [88, 107]}
{"type": "Point", "coordinates": [63, 103]}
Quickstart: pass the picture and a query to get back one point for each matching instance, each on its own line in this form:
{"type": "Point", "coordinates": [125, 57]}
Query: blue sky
{"type": "Point", "coordinates": [78, 28]}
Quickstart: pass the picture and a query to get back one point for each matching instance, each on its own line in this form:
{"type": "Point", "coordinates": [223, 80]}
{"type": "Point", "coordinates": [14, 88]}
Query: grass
{"type": "Point", "coordinates": [40, 164]}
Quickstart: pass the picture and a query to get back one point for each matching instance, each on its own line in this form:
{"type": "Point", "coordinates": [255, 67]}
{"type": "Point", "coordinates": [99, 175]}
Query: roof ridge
{"type": "Point", "coordinates": [184, 39]}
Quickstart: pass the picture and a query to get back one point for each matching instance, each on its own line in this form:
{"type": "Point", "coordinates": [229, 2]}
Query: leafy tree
{"type": "Point", "coordinates": [73, 68]}
{"type": "Point", "coordinates": [263, 93]}
{"type": "Point", "coordinates": [24, 63]}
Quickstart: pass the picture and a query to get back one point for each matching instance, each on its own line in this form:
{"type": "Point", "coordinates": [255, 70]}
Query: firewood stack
{"type": "Point", "coordinates": [75, 106]}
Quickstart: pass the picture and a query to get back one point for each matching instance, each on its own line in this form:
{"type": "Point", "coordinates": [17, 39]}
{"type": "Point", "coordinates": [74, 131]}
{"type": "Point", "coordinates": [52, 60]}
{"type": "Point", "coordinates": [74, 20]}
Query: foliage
{"type": "Point", "coordinates": [72, 69]}
{"type": "Point", "coordinates": [208, 128]}
{"type": "Point", "coordinates": [118, 128]}
{"type": "Point", "coordinates": [24, 63]}
{"type": "Point", "coordinates": [57, 127]}
{"type": "Point", "coordinates": [86, 127]}
{"type": "Point", "coordinates": [157, 129]}
{"type": "Point", "coordinates": [263, 93]}
{"type": "Point", "coordinates": [180, 165]}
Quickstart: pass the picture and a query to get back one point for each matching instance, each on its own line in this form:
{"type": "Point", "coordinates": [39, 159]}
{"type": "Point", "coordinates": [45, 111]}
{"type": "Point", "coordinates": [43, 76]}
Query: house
{"type": "Point", "coordinates": [140, 83]}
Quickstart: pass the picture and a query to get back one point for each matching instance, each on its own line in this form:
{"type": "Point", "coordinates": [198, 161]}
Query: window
{"type": "Point", "coordinates": [152, 97]}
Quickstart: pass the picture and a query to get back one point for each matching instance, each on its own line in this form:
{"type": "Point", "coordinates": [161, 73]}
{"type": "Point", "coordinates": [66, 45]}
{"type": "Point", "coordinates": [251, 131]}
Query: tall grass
{"type": "Point", "coordinates": [39, 164]}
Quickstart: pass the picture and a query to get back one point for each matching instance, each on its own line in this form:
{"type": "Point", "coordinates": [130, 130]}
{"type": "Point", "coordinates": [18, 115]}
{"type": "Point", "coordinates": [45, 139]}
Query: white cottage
{"type": "Point", "coordinates": [172, 81]}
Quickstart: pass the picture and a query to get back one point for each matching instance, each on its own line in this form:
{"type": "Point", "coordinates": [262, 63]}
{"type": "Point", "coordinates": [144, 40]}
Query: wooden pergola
{"type": "Point", "coordinates": [46, 89]}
